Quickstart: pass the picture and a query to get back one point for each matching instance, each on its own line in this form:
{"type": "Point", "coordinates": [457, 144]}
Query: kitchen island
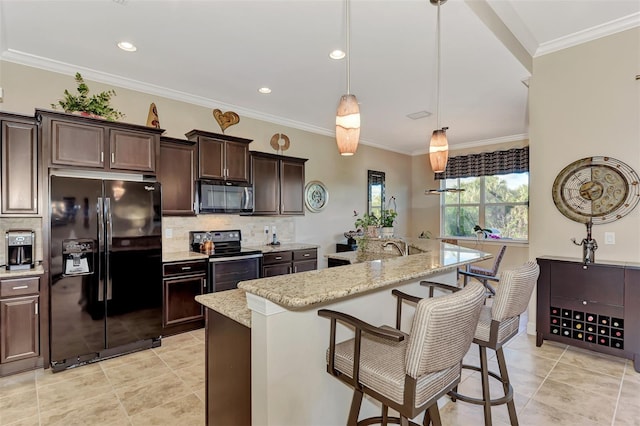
{"type": "Point", "coordinates": [288, 341]}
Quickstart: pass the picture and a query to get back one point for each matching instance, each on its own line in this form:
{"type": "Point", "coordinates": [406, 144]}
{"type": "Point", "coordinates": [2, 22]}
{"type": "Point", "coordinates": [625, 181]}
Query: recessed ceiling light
{"type": "Point", "coordinates": [337, 54]}
{"type": "Point", "coordinates": [264, 90]}
{"type": "Point", "coordinates": [418, 115]}
{"type": "Point", "coordinates": [127, 47]}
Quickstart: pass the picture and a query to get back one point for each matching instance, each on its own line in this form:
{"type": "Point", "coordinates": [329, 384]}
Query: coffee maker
{"type": "Point", "coordinates": [20, 249]}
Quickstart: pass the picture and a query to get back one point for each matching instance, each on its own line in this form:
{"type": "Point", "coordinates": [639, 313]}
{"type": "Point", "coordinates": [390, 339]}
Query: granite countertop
{"type": "Point", "coordinates": [359, 256]}
{"type": "Point", "coordinates": [4, 274]}
{"type": "Point", "coordinates": [283, 247]}
{"type": "Point", "coordinates": [177, 256]}
{"type": "Point", "coordinates": [230, 303]}
{"type": "Point", "coordinates": [304, 289]}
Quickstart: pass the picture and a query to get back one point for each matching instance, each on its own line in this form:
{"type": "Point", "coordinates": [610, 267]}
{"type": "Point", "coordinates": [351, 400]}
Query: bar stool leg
{"type": "Point", "coordinates": [432, 416]}
{"type": "Point", "coordinates": [506, 385]}
{"type": "Point", "coordinates": [484, 371]}
{"type": "Point", "coordinates": [354, 412]}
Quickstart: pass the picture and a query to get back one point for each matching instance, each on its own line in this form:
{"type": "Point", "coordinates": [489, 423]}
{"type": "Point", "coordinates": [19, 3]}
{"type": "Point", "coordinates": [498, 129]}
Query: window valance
{"type": "Point", "coordinates": [515, 160]}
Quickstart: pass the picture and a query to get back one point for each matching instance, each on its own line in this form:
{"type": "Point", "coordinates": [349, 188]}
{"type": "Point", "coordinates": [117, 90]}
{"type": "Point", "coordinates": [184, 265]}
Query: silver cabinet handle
{"type": "Point", "coordinates": [584, 302]}
{"type": "Point", "coordinates": [102, 157]}
{"type": "Point", "coordinates": [186, 268]}
{"type": "Point", "coordinates": [113, 157]}
{"type": "Point", "coordinates": [36, 308]}
{"type": "Point", "coordinates": [278, 257]}
{"type": "Point", "coordinates": [307, 255]}
{"type": "Point", "coordinates": [20, 287]}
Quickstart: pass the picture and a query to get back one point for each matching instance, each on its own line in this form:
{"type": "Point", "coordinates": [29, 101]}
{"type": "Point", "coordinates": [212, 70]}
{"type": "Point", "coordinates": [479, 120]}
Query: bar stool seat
{"type": "Point", "coordinates": [406, 372]}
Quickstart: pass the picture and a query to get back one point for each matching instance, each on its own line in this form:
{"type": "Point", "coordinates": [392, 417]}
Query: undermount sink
{"type": "Point", "coordinates": [414, 250]}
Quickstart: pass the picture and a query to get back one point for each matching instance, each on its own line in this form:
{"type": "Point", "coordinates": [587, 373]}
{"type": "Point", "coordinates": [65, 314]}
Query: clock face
{"type": "Point", "coordinates": [316, 196]}
{"type": "Point", "coordinates": [597, 189]}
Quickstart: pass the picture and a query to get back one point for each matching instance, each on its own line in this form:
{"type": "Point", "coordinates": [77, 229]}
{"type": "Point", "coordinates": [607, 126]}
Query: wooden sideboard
{"type": "Point", "coordinates": [594, 306]}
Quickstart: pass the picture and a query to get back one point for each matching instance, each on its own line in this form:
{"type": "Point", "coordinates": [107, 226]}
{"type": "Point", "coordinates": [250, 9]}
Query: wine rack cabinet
{"type": "Point", "coordinates": [596, 307]}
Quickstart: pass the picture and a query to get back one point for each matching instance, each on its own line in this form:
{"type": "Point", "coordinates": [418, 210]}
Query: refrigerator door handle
{"type": "Point", "coordinates": [109, 223]}
{"type": "Point", "coordinates": [100, 213]}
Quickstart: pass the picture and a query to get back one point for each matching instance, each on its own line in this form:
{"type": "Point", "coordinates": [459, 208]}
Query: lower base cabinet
{"type": "Point", "coordinates": [19, 325]}
{"type": "Point", "coordinates": [596, 307]}
{"type": "Point", "coordinates": [182, 282]}
{"type": "Point", "coordinates": [289, 262]}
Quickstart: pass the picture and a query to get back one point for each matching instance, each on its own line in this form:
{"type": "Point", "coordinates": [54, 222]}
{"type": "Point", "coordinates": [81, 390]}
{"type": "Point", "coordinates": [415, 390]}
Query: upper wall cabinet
{"type": "Point", "coordinates": [19, 181]}
{"type": "Point", "coordinates": [221, 157]}
{"type": "Point", "coordinates": [177, 174]}
{"type": "Point", "coordinates": [76, 141]}
{"type": "Point", "coordinates": [278, 184]}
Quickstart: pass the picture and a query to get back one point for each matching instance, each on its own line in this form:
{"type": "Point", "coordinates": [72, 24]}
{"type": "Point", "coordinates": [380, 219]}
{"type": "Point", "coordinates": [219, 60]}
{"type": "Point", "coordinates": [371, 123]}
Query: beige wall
{"type": "Point", "coordinates": [28, 88]}
{"type": "Point", "coordinates": [584, 101]}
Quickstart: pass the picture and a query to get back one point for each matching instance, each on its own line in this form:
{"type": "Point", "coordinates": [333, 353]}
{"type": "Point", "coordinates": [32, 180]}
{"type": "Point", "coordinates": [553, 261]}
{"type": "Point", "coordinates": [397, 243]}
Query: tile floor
{"type": "Point", "coordinates": [554, 385]}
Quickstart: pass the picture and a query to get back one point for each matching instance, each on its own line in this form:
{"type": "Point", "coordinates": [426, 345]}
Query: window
{"type": "Point", "coordinates": [499, 204]}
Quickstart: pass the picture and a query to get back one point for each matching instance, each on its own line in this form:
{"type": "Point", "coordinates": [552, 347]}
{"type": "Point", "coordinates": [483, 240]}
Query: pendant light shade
{"type": "Point", "coordinates": [348, 113]}
{"type": "Point", "coordinates": [439, 146]}
{"type": "Point", "coordinates": [439, 150]}
{"type": "Point", "coordinates": [348, 125]}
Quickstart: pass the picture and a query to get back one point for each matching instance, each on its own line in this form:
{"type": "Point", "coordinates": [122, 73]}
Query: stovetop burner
{"type": "Point", "coordinates": [225, 243]}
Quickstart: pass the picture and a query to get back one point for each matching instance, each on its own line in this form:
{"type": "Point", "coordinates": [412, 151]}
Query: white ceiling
{"type": "Point", "coordinates": [218, 53]}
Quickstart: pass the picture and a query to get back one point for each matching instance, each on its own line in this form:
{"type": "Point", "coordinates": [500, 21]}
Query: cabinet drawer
{"type": "Point", "coordinates": [305, 254]}
{"type": "Point", "coordinates": [587, 307]}
{"type": "Point", "coordinates": [594, 284]}
{"type": "Point", "coordinates": [19, 286]}
{"type": "Point", "coordinates": [183, 268]}
{"type": "Point", "coordinates": [278, 257]}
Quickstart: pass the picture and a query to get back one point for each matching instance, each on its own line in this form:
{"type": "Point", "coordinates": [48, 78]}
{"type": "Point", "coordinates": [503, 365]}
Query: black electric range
{"type": "Point", "coordinates": [229, 262]}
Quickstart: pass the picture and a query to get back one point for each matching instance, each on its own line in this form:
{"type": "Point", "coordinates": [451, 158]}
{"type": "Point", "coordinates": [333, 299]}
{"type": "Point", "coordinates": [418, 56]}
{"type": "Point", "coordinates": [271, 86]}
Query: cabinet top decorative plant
{"type": "Point", "coordinates": [94, 105]}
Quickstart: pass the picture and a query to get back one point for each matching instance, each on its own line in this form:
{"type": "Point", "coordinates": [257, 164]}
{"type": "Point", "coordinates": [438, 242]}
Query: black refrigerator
{"type": "Point", "coordinates": [105, 268]}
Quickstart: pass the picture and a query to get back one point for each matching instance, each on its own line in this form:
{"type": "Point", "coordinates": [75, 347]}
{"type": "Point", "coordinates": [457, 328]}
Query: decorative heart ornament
{"type": "Point", "coordinates": [225, 119]}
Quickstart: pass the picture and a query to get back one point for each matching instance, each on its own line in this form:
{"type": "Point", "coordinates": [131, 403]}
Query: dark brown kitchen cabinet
{"type": "Point", "coordinates": [19, 156]}
{"type": "Point", "coordinates": [221, 157]}
{"type": "Point", "coordinates": [19, 325]}
{"type": "Point", "coordinates": [278, 184]}
{"type": "Point", "coordinates": [177, 174]}
{"type": "Point", "coordinates": [595, 307]}
{"type": "Point", "coordinates": [289, 262]}
{"type": "Point", "coordinates": [182, 282]}
{"type": "Point", "coordinates": [85, 142]}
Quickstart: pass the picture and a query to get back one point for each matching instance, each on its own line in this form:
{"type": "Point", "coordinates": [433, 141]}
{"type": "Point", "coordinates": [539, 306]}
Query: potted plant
{"type": "Point", "coordinates": [92, 106]}
{"type": "Point", "coordinates": [387, 221]}
{"type": "Point", "coordinates": [369, 223]}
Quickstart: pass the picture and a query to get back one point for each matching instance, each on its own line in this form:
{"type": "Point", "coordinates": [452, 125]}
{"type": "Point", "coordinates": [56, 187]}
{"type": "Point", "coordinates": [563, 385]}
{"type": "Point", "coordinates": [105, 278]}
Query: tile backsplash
{"type": "Point", "coordinates": [252, 228]}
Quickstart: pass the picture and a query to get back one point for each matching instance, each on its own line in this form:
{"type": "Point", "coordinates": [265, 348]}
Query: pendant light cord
{"type": "Point", "coordinates": [348, 46]}
{"type": "Point", "coordinates": [438, 62]}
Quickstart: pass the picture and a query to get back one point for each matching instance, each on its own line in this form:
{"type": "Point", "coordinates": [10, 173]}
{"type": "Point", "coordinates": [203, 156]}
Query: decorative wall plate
{"type": "Point", "coordinates": [597, 189]}
{"type": "Point", "coordinates": [316, 196]}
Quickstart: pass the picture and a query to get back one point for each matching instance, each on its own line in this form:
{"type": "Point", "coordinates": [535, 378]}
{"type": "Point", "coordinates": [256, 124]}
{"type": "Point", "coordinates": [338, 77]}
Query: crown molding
{"type": "Point", "coordinates": [590, 34]}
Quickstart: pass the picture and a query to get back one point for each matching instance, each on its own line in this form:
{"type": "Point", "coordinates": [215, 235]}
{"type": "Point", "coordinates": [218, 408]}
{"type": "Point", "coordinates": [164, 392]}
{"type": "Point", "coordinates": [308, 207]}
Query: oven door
{"type": "Point", "coordinates": [226, 272]}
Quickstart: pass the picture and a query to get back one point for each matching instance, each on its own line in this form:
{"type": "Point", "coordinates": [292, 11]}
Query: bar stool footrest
{"type": "Point", "coordinates": [378, 421]}
{"type": "Point", "coordinates": [479, 401]}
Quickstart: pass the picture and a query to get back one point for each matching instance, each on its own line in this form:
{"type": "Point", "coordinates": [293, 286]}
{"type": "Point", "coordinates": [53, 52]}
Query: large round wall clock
{"type": "Point", "coordinates": [597, 190]}
{"type": "Point", "coordinates": [316, 196]}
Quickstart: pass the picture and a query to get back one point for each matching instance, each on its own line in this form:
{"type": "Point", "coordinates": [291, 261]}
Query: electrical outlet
{"type": "Point", "coordinates": [168, 233]}
{"type": "Point", "coordinates": [609, 237]}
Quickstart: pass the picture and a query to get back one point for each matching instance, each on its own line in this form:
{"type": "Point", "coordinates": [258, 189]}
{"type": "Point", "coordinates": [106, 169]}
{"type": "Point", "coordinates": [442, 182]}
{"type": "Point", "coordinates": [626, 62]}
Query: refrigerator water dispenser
{"type": "Point", "coordinates": [77, 257]}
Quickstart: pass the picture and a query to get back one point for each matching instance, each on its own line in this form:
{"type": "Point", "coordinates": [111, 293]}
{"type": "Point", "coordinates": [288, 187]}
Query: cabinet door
{"type": "Point", "coordinates": [179, 303]}
{"type": "Point", "coordinates": [266, 188]}
{"type": "Point", "coordinates": [19, 168]}
{"type": "Point", "coordinates": [210, 158]}
{"type": "Point", "coordinates": [274, 270]}
{"type": "Point", "coordinates": [134, 151]}
{"type": "Point", "coordinates": [305, 265]}
{"type": "Point", "coordinates": [177, 174]}
{"type": "Point", "coordinates": [19, 328]}
{"type": "Point", "coordinates": [291, 187]}
{"type": "Point", "coordinates": [236, 161]}
{"type": "Point", "coordinates": [77, 145]}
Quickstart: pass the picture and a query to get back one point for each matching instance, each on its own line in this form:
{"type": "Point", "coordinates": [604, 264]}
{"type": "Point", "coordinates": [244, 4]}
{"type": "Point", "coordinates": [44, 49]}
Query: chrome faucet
{"type": "Point", "coordinates": [403, 250]}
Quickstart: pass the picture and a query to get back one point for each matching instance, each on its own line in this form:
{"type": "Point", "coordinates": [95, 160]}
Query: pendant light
{"type": "Point", "coordinates": [438, 147]}
{"type": "Point", "coordinates": [348, 113]}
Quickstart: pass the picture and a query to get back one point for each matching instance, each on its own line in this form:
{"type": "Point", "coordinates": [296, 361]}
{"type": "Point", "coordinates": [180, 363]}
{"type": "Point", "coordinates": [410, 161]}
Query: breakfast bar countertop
{"type": "Point", "coordinates": [305, 289]}
{"type": "Point", "coordinates": [231, 303]}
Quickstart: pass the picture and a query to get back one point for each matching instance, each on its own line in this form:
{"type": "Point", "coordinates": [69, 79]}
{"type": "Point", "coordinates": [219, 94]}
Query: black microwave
{"type": "Point", "coordinates": [225, 197]}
